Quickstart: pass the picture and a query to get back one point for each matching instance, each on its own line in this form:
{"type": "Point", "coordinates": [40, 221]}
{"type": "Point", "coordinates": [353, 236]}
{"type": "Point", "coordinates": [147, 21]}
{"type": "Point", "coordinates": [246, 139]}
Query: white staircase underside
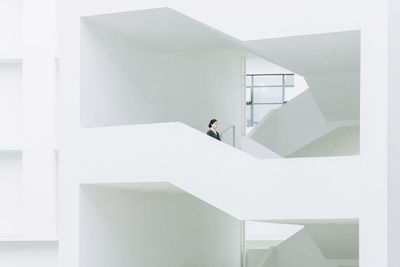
{"type": "Point", "coordinates": [330, 63]}
{"type": "Point", "coordinates": [239, 184]}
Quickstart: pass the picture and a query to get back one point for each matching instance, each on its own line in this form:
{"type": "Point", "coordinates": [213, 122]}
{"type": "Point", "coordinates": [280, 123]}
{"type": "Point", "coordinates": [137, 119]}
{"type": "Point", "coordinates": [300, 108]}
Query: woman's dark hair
{"type": "Point", "coordinates": [211, 123]}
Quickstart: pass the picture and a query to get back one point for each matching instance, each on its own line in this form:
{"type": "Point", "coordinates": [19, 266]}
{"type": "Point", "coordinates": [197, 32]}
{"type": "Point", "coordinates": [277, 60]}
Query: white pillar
{"type": "Point", "coordinates": [39, 160]}
{"type": "Point", "coordinates": [373, 138]}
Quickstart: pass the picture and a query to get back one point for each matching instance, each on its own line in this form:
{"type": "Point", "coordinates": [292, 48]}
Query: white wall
{"type": "Point", "coordinates": [393, 135]}
{"type": "Point", "coordinates": [337, 94]}
{"type": "Point", "coordinates": [124, 82]}
{"type": "Point", "coordinates": [242, 185]}
{"type": "Point", "coordinates": [330, 177]}
{"type": "Point", "coordinates": [11, 27]}
{"type": "Point", "coordinates": [270, 231]}
{"type": "Point", "coordinates": [261, 257]}
{"type": "Point", "coordinates": [10, 104]}
{"type": "Point", "coordinates": [28, 254]}
{"type": "Point", "coordinates": [373, 135]}
{"type": "Point", "coordinates": [120, 227]}
{"type": "Point", "coordinates": [39, 199]}
{"type": "Point", "coordinates": [250, 146]}
{"type": "Point", "coordinates": [10, 193]}
{"type": "Point", "coordinates": [338, 142]}
{"type": "Point", "coordinates": [254, 13]}
{"type": "Point", "coordinates": [292, 126]}
{"type": "Point", "coordinates": [38, 119]}
{"type": "Point", "coordinates": [300, 250]}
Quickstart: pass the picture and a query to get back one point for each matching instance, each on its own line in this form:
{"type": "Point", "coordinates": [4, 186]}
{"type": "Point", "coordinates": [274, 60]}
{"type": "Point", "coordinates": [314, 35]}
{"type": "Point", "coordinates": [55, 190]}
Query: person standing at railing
{"type": "Point", "coordinates": [213, 125]}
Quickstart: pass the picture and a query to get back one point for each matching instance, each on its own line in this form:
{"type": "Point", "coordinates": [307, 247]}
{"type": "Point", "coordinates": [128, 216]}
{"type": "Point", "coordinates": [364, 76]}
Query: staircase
{"type": "Point", "coordinates": [298, 250]}
{"type": "Point", "coordinates": [330, 63]}
{"type": "Point", "coordinates": [294, 129]}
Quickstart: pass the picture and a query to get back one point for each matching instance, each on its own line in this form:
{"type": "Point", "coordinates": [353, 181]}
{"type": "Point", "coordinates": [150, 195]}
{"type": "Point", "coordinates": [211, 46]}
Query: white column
{"type": "Point", "coordinates": [394, 135]}
{"type": "Point", "coordinates": [373, 134]}
{"type": "Point", "coordinates": [39, 160]}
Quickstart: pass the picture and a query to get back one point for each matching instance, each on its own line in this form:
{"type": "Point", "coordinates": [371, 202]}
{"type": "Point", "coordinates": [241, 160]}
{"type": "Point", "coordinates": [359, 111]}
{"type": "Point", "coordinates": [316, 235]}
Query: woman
{"type": "Point", "coordinates": [213, 125]}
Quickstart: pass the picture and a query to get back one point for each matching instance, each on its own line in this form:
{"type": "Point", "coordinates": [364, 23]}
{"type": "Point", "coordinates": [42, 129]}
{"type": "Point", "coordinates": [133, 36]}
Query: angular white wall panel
{"type": "Point", "coordinates": [123, 227]}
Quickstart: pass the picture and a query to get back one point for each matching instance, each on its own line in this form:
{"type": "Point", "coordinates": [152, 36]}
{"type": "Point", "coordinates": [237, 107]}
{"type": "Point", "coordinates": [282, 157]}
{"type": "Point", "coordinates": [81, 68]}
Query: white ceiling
{"type": "Point", "coordinates": [312, 54]}
{"type": "Point", "coordinates": [337, 94]}
{"type": "Point", "coordinates": [337, 239]}
{"type": "Point", "coordinates": [164, 30]}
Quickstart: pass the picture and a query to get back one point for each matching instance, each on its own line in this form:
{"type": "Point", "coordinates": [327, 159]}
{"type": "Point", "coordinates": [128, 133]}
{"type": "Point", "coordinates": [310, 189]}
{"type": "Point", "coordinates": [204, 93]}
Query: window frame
{"type": "Point", "coordinates": [252, 86]}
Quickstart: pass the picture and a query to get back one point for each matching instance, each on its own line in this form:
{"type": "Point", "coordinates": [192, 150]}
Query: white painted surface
{"type": "Point", "coordinates": [10, 193]}
{"type": "Point", "coordinates": [300, 250]}
{"type": "Point", "coordinates": [39, 74]}
{"type": "Point", "coordinates": [337, 94]}
{"type": "Point", "coordinates": [338, 142]}
{"type": "Point", "coordinates": [250, 146]}
{"type": "Point", "coordinates": [125, 82]}
{"type": "Point", "coordinates": [10, 104]}
{"type": "Point", "coordinates": [39, 198]}
{"type": "Point", "coordinates": [124, 227]}
{"type": "Point", "coordinates": [336, 238]}
{"type": "Point", "coordinates": [242, 185]}
{"type": "Point", "coordinates": [10, 27]}
{"type": "Point", "coordinates": [292, 126]}
{"type": "Point", "coordinates": [373, 137]}
{"type": "Point", "coordinates": [372, 116]}
{"type": "Point", "coordinates": [330, 64]}
{"type": "Point", "coordinates": [393, 136]}
{"type": "Point", "coordinates": [336, 241]}
{"type": "Point", "coordinates": [262, 66]}
{"type": "Point", "coordinates": [261, 257]}
{"type": "Point", "coordinates": [243, 198]}
{"type": "Point", "coordinates": [164, 30]}
{"type": "Point", "coordinates": [257, 231]}
{"type": "Point", "coordinates": [28, 254]}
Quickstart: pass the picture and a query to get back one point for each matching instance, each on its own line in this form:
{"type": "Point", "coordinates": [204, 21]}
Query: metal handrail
{"type": "Point", "coordinates": [233, 134]}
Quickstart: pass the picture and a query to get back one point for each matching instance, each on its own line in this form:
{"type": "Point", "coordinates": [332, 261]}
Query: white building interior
{"type": "Point", "coordinates": [104, 157]}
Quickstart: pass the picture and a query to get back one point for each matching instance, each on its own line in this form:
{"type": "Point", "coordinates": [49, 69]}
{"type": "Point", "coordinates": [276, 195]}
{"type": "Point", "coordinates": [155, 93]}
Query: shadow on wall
{"type": "Point", "coordinates": [154, 224]}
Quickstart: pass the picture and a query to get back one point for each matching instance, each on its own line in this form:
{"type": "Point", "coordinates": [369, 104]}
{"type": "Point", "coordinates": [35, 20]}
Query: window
{"type": "Point", "coordinates": [266, 92]}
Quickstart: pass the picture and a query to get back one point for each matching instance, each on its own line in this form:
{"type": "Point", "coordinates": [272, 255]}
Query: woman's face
{"type": "Point", "coordinates": [214, 126]}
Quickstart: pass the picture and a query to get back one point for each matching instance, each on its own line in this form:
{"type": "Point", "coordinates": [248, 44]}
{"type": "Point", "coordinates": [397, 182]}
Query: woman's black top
{"type": "Point", "coordinates": [214, 135]}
